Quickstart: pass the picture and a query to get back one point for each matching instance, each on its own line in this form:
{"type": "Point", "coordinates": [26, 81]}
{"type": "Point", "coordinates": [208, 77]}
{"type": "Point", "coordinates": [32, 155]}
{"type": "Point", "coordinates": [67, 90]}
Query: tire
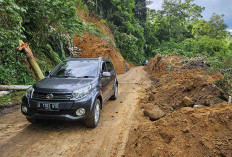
{"type": "Point", "coordinates": [94, 118]}
{"type": "Point", "coordinates": [33, 121]}
{"type": "Point", "coordinates": [115, 95]}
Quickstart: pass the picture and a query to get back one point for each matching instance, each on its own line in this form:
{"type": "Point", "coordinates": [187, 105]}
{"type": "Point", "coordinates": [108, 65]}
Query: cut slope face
{"type": "Point", "coordinates": [179, 84]}
{"type": "Point", "coordinates": [93, 47]}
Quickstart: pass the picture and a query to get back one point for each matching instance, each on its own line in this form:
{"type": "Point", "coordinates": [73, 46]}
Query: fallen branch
{"type": "Point", "coordinates": [13, 87]}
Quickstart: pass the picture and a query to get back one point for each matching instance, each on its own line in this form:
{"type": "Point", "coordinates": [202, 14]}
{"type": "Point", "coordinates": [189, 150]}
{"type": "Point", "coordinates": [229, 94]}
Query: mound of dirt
{"type": "Point", "coordinates": [172, 83]}
{"type": "Point", "coordinates": [189, 132]}
{"type": "Point", "coordinates": [198, 120]}
{"type": "Point", "coordinates": [93, 47]}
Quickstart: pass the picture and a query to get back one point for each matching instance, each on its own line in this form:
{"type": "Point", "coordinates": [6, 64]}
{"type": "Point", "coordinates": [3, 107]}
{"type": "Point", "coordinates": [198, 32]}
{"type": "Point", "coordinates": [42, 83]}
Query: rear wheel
{"type": "Point", "coordinates": [93, 120]}
{"type": "Point", "coordinates": [115, 95]}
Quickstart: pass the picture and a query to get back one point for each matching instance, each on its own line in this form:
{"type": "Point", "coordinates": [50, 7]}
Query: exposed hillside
{"type": "Point", "coordinates": [93, 46]}
{"type": "Point", "coordinates": [50, 31]}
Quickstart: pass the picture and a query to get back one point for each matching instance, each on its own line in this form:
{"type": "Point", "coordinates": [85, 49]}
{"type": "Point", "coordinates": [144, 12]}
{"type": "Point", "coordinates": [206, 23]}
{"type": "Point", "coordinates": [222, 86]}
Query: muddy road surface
{"type": "Point", "coordinates": [20, 138]}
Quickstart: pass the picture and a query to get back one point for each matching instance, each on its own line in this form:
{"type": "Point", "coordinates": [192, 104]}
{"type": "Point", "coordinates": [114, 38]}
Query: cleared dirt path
{"type": "Point", "coordinates": [20, 138]}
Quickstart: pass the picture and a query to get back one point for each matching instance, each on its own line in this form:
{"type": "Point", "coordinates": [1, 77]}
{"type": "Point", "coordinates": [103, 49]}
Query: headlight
{"type": "Point", "coordinates": [81, 93]}
{"type": "Point", "coordinates": [29, 92]}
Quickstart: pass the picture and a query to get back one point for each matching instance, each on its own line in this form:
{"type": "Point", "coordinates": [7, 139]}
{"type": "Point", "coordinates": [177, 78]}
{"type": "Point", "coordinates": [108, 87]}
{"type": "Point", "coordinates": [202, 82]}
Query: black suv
{"type": "Point", "coordinates": [76, 89]}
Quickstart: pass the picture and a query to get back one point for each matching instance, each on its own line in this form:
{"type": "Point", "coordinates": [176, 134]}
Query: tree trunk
{"type": "Point", "coordinates": [31, 59]}
{"type": "Point", "coordinates": [13, 87]}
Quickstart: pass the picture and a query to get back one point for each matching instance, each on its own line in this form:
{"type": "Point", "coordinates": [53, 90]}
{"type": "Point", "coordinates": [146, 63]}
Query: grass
{"type": "Point", "coordinates": [12, 97]}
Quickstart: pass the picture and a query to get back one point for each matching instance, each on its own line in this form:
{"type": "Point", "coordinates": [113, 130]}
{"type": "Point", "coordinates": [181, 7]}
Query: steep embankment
{"type": "Point", "coordinates": [92, 46]}
{"type": "Point", "coordinates": [196, 118]}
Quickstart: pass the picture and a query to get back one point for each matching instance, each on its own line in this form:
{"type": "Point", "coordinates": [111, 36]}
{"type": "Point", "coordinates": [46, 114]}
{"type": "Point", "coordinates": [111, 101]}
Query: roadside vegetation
{"type": "Point", "coordinates": [12, 98]}
{"type": "Point", "coordinates": [139, 33]}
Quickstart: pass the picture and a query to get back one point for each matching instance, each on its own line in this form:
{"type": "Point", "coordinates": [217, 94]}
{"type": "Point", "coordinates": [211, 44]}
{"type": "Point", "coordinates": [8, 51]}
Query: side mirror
{"type": "Point", "coordinates": [106, 74]}
{"type": "Point", "coordinates": [47, 73]}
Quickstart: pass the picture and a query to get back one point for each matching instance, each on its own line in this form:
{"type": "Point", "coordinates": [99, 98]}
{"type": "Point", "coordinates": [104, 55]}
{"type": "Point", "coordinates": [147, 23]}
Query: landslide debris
{"type": "Point", "coordinates": [189, 116]}
{"type": "Point", "coordinates": [93, 47]}
{"type": "Point", "coordinates": [175, 87]}
{"type": "Point", "coordinates": [189, 132]}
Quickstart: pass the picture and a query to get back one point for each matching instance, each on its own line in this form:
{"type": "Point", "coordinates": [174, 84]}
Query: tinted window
{"type": "Point", "coordinates": [104, 68]}
{"type": "Point", "coordinates": [76, 69]}
{"type": "Point", "coordinates": [109, 66]}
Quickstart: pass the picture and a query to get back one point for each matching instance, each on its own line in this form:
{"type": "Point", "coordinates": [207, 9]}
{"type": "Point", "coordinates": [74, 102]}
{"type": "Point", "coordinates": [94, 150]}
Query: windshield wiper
{"type": "Point", "coordinates": [65, 76]}
{"type": "Point", "coordinates": [85, 77]}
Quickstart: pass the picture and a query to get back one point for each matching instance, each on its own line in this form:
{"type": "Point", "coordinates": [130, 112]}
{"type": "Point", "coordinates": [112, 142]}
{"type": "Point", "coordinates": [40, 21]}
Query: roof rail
{"type": "Point", "coordinates": [101, 58]}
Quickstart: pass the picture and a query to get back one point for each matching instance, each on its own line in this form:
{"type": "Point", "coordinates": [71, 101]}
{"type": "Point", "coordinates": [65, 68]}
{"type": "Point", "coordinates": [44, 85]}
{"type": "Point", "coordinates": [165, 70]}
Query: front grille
{"type": "Point", "coordinates": [56, 96]}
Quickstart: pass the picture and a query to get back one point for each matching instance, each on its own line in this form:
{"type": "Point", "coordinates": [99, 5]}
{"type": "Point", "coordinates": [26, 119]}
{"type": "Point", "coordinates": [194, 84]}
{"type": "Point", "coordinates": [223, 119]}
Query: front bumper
{"type": "Point", "coordinates": [67, 109]}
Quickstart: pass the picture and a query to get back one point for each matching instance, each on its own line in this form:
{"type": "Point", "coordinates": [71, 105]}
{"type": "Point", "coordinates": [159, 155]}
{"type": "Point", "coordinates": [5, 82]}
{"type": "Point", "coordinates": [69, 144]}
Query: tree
{"type": "Point", "coordinates": [178, 13]}
{"type": "Point", "coordinates": [215, 27]}
{"type": "Point", "coordinates": [10, 24]}
{"type": "Point", "coordinates": [140, 11]}
{"type": "Point", "coordinates": [51, 22]}
{"type": "Point", "coordinates": [218, 26]}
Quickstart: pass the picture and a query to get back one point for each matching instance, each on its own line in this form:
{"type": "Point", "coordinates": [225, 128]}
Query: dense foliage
{"type": "Point", "coordinates": [139, 32]}
{"type": "Point", "coordinates": [125, 24]}
{"type": "Point", "coordinates": [40, 23]}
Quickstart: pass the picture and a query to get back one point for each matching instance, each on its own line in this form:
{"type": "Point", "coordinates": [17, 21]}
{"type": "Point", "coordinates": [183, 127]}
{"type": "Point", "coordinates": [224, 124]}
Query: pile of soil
{"type": "Point", "coordinates": [185, 114]}
{"type": "Point", "coordinates": [172, 83]}
{"type": "Point", "coordinates": [189, 132]}
{"type": "Point", "coordinates": [93, 47]}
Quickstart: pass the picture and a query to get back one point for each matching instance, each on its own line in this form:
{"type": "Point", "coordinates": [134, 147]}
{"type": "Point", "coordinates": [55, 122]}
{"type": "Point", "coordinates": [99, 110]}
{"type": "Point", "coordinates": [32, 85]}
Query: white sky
{"type": "Point", "coordinates": [211, 6]}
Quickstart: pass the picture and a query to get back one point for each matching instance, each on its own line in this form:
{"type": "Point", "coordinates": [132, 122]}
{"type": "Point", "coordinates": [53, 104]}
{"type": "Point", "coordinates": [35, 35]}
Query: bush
{"type": "Point", "coordinates": [128, 46]}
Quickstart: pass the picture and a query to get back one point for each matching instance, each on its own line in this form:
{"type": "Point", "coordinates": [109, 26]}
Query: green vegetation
{"type": "Point", "coordinates": [49, 26]}
{"type": "Point", "coordinates": [14, 97]}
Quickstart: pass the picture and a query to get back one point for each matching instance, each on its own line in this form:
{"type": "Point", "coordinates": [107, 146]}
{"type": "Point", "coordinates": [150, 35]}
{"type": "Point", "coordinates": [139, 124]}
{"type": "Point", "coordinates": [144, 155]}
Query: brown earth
{"type": "Point", "coordinates": [172, 83]}
{"type": "Point", "coordinates": [186, 132]}
{"type": "Point", "coordinates": [189, 132]}
{"type": "Point", "coordinates": [93, 47]}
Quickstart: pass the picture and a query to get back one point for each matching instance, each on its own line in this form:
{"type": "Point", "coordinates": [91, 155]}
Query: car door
{"type": "Point", "coordinates": [104, 82]}
{"type": "Point", "coordinates": [112, 77]}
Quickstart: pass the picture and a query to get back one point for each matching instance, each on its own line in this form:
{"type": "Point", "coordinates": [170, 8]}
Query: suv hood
{"type": "Point", "coordinates": [61, 85]}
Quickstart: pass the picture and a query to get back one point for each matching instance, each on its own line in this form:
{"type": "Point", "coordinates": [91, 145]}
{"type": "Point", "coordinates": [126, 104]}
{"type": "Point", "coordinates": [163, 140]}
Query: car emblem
{"type": "Point", "coordinates": [49, 96]}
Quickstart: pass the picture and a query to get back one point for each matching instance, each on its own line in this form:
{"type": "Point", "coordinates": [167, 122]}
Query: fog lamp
{"type": "Point", "coordinates": [24, 109]}
{"type": "Point", "coordinates": [80, 112]}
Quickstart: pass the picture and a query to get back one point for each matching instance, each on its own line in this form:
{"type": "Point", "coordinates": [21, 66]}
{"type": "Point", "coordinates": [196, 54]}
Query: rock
{"type": "Point", "coordinates": [186, 130]}
{"type": "Point", "coordinates": [198, 106]}
{"type": "Point", "coordinates": [199, 81]}
{"type": "Point", "coordinates": [153, 112]}
{"type": "Point", "coordinates": [203, 89]}
{"type": "Point", "coordinates": [206, 102]}
{"type": "Point", "coordinates": [151, 97]}
{"type": "Point", "coordinates": [154, 91]}
{"type": "Point", "coordinates": [187, 102]}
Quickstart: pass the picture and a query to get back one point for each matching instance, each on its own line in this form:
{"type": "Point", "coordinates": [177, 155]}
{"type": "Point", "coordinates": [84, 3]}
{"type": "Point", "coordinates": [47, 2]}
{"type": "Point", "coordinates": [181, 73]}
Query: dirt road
{"type": "Point", "coordinates": [20, 138]}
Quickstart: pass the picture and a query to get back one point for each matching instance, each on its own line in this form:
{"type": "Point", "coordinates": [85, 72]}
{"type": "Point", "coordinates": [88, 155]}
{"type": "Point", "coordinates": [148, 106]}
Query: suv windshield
{"type": "Point", "coordinates": [77, 69]}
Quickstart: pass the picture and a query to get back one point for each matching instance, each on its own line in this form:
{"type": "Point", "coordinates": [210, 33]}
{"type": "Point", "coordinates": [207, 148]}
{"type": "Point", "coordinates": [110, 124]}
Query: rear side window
{"type": "Point", "coordinates": [109, 67]}
{"type": "Point", "coordinates": [104, 67]}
